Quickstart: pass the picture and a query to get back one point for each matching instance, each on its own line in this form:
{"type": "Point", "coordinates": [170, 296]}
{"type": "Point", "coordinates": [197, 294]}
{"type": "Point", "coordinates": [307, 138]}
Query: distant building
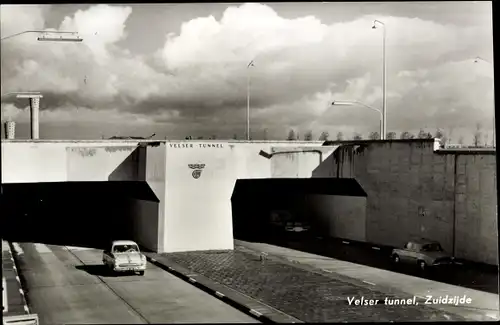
{"type": "Point", "coordinates": [10, 130]}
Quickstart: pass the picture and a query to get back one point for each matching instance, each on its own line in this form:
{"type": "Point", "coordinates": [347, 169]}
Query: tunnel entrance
{"type": "Point", "coordinates": [87, 214]}
{"type": "Point", "coordinates": [270, 210]}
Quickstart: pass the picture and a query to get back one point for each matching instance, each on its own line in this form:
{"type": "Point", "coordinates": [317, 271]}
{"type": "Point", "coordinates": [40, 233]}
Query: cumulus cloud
{"type": "Point", "coordinates": [198, 78]}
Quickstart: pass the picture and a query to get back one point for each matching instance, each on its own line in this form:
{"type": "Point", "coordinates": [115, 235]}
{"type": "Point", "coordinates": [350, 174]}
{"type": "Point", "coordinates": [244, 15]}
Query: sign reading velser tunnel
{"type": "Point", "coordinates": [196, 145]}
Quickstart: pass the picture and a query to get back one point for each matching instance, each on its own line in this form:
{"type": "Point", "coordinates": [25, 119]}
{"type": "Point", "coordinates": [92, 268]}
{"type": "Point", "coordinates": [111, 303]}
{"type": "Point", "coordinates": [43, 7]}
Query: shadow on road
{"type": "Point", "coordinates": [101, 270]}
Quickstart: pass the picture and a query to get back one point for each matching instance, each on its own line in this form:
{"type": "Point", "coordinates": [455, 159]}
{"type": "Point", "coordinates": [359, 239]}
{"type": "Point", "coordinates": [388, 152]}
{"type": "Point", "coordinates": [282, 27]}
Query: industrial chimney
{"type": "Point", "coordinates": [34, 112]}
{"type": "Point", "coordinates": [10, 130]}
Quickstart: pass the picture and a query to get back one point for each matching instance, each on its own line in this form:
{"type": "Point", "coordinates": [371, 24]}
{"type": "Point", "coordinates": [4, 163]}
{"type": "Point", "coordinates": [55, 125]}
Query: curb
{"type": "Point", "coordinates": [15, 265]}
{"type": "Point", "coordinates": [235, 299]}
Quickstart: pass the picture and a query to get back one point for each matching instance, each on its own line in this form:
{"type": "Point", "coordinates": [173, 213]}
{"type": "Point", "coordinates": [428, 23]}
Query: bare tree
{"type": "Point", "coordinates": [391, 135]}
{"type": "Point", "coordinates": [291, 135]}
{"type": "Point", "coordinates": [486, 136]}
{"type": "Point", "coordinates": [357, 136]}
{"type": "Point", "coordinates": [461, 140]}
{"type": "Point", "coordinates": [235, 136]}
{"type": "Point", "coordinates": [406, 135]}
{"type": "Point", "coordinates": [308, 136]}
{"type": "Point", "coordinates": [340, 136]}
{"type": "Point", "coordinates": [476, 140]}
{"type": "Point", "coordinates": [441, 136]}
{"type": "Point", "coordinates": [374, 135]}
{"type": "Point", "coordinates": [324, 136]}
{"type": "Point", "coordinates": [422, 134]}
{"type": "Point", "coordinates": [450, 134]}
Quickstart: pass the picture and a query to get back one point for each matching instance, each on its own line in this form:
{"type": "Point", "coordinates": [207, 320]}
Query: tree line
{"type": "Point", "coordinates": [478, 138]}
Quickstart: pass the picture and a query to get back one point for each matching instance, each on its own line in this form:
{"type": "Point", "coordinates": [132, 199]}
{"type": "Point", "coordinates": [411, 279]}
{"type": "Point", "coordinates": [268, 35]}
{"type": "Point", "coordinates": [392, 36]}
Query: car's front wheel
{"type": "Point", "coordinates": [396, 259]}
{"type": "Point", "coordinates": [422, 265]}
{"type": "Point", "coordinates": [141, 273]}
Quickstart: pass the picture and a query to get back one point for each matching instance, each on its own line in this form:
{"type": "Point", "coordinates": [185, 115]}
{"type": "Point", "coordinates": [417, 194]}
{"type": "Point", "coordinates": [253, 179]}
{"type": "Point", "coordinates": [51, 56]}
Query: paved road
{"type": "Point", "coordinates": [70, 285]}
{"type": "Point", "coordinates": [469, 277]}
{"type": "Point", "coordinates": [306, 295]}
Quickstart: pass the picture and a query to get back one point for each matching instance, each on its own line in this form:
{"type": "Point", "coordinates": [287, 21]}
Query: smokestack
{"type": "Point", "coordinates": [10, 130]}
{"type": "Point", "coordinates": [35, 125]}
{"type": "Point", "coordinates": [34, 98]}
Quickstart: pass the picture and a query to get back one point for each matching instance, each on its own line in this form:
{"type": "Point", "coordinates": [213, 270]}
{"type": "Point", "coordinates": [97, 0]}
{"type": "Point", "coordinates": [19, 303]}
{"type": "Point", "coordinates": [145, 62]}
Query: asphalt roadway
{"type": "Point", "coordinates": [69, 285]}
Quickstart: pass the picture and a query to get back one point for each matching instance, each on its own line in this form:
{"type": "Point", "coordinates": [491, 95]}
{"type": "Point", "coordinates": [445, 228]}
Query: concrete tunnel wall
{"type": "Point", "coordinates": [339, 216]}
{"type": "Point", "coordinates": [415, 191]}
{"type": "Point", "coordinates": [62, 161]}
{"type": "Point", "coordinates": [192, 214]}
{"type": "Point", "coordinates": [198, 213]}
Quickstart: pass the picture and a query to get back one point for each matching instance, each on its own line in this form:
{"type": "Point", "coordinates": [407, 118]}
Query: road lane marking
{"type": "Point", "coordinates": [17, 278]}
{"type": "Point", "coordinates": [218, 294]}
{"type": "Point", "coordinates": [369, 283]}
{"type": "Point", "coordinates": [21, 291]}
{"type": "Point", "coordinates": [76, 248]}
{"type": "Point", "coordinates": [153, 260]}
{"type": "Point", "coordinates": [136, 311]}
{"type": "Point", "coordinates": [192, 280]}
{"type": "Point", "coordinates": [26, 309]}
{"type": "Point", "coordinates": [376, 248]}
{"type": "Point", "coordinates": [256, 313]}
{"type": "Point", "coordinates": [42, 248]}
{"type": "Point", "coordinates": [345, 242]}
{"type": "Point", "coordinates": [328, 271]}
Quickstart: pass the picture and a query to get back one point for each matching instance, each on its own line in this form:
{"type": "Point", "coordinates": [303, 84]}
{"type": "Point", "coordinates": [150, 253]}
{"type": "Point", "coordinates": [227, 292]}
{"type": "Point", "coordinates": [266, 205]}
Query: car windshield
{"type": "Point", "coordinates": [434, 247]}
{"type": "Point", "coordinates": [125, 248]}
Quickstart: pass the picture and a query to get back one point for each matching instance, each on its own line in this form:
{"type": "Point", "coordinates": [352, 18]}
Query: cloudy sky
{"type": "Point", "coordinates": [181, 69]}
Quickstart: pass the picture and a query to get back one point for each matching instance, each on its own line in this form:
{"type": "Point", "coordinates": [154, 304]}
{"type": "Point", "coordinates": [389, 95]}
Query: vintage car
{"type": "Point", "coordinates": [124, 256]}
{"type": "Point", "coordinates": [297, 227]}
{"type": "Point", "coordinates": [422, 253]}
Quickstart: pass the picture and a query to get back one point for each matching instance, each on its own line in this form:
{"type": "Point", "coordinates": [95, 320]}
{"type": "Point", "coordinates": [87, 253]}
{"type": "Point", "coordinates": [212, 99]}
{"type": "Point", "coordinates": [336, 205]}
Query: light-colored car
{"type": "Point", "coordinates": [296, 227]}
{"type": "Point", "coordinates": [422, 253]}
{"type": "Point", "coordinates": [125, 256]}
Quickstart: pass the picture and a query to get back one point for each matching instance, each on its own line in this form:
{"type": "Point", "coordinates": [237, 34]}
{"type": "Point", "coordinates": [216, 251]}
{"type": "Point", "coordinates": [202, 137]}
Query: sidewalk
{"type": "Point", "coordinates": [484, 306]}
{"type": "Point", "coordinates": [16, 303]}
{"type": "Point", "coordinates": [306, 295]}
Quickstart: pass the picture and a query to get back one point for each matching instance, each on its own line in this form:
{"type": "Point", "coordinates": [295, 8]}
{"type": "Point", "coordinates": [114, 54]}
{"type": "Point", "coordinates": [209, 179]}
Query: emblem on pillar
{"type": "Point", "coordinates": [198, 168]}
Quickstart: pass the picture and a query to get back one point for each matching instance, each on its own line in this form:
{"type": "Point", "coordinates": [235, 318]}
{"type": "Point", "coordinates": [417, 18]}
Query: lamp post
{"type": "Point", "coordinates": [357, 103]}
{"type": "Point", "coordinates": [477, 60]}
{"type": "Point", "coordinates": [384, 85]}
{"type": "Point", "coordinates": [248, 98]}
{"type": "Point", "coordinates": [64, 36]}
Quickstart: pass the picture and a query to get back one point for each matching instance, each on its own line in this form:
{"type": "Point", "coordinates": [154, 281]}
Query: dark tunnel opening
{"type": "Point", "coordinates": [273, 210]}
{"type": "Point", "coordinates": [86, 214]}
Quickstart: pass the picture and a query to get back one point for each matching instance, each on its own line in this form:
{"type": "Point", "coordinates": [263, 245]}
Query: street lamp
{"type": "Point", "coordinates": [248, 98]}
{"type": "Point", "coordinates": [477, 60]}
{"type": "Point", "coordinates": [270, 155]}
{"type": "Point", "coordinates": [63, 36]}
{"type": "Point", "coordinates": [357, 103]}
{"type": "Point", "coordinates": [384, 107]}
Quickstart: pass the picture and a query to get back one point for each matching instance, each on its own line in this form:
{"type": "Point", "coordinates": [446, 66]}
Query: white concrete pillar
{"type": "Point", "coordinates": [10, 130]}
{"type": "Point", "coordinates": [34, 110]}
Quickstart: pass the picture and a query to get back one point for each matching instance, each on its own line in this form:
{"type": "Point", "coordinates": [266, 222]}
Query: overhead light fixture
{"type": "Point", "coordinates": [60, 38]}
{"type": "Point", "coordinates": [265, 154]}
